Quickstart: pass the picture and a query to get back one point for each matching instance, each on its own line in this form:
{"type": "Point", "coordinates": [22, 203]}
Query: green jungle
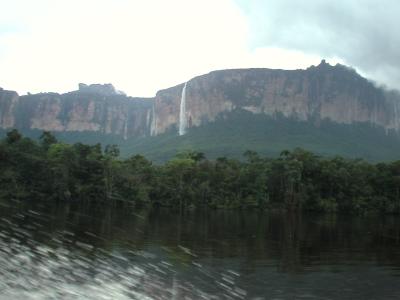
{"type": "Point", "coordinates": [298, 180]}
{"type": "Point", "coordinates": [235, 132]}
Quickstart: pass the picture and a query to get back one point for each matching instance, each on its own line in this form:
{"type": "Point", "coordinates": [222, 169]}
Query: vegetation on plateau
{"type": "Point", "coordinates": [297, 180]}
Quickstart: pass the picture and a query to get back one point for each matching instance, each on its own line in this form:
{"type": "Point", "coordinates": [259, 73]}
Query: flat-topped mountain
{"type": "Point", "coordinates": [335, 93]}
{"type": "Point", "coordinates": [319, 94]}
{"type": "Point", "coordinates": [93, 108]}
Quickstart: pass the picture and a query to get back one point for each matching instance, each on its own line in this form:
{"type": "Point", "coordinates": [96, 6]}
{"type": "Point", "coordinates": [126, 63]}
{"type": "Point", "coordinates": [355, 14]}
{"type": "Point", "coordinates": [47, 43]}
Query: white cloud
{"type": "Point", "coordinates": [139, 46]}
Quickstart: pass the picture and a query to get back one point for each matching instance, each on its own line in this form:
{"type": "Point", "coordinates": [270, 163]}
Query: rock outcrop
{"type": "Point", "coordinates": [100, 89]}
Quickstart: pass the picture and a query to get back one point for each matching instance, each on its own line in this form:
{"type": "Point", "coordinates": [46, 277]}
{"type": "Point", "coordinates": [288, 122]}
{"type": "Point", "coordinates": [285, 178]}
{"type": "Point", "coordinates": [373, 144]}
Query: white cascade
{"type": "Point", "coordinates": [126, 128]}
{"type": "Point", "coordinates": [396, 116]}
{"type": "Point", "coordinates": [153, 128]}
{"type": "Point", "coordinates": [182, 112]}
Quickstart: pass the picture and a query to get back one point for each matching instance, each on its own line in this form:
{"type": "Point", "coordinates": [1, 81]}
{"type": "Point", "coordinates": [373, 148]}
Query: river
{"type": "Point", "coordinates": [65, 252]}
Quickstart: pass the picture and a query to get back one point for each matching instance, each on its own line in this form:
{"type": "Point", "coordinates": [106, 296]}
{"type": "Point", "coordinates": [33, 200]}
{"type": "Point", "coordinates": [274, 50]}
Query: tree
{"type": "Point", "coordinates": [63, 162]}
{"type": "Point", "coordinates": [47, 139]}
{"type": "Point", "coordinates": [13, 136]}
{"type": "Point", "coordinates": [111, 164]}
{"type": "Point", "coordinates": [191, 154]}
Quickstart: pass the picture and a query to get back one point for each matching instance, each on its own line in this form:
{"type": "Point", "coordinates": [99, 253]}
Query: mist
{"type": "Point", "coordinates": [362, 34]}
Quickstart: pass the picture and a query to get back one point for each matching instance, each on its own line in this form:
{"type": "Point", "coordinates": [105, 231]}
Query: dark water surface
{"type": "Point", "coordinates": [68, 253]}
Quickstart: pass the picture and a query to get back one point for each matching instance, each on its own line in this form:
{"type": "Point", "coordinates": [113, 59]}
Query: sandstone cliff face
{"type": "Point", "coordinates": [8, 100]}
{"type": "Point", "coordinates": [323, 92]}
{"type": "Point", "coordinates": [77, 111]}
{"type": "Point", "coordinates": [329, 92]}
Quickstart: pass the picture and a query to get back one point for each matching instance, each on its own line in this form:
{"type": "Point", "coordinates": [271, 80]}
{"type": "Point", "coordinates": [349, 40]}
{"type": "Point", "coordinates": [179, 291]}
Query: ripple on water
{"type": "Point", "coordinates": [84, 256]}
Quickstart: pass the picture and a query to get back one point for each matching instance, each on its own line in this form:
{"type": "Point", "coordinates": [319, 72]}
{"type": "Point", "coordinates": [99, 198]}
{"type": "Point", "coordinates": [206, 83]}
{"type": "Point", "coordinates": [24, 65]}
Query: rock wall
{"type": "Point", "coordinates": [77, 111]}
{"type": "Point", "coordinates": [8, 101]}
{"type": "Point", "coordinates": [330, 92]}
{"type": "Point", "coordinates": [320, 92]}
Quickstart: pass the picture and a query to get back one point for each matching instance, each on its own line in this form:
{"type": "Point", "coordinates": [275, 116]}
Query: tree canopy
{"type": "Point", "coordinates": [297, 180]}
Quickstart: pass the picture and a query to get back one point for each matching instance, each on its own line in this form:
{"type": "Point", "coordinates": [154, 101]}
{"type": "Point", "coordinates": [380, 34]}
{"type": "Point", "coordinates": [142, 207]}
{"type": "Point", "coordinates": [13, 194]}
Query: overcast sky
{"type": "Point", "coordinates": [143, 46]}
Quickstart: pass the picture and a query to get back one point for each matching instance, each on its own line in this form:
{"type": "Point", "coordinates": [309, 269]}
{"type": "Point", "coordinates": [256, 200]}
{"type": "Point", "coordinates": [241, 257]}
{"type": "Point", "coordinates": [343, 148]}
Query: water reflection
{"type": "Point", "coordinates": [66, 252]}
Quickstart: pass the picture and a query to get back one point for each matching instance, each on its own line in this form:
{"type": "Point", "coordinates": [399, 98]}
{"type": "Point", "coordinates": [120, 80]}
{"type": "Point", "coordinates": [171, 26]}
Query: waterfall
{"type": "Point", "coordinates": [126, 128]}
{"type": "Point", "coordinates": [182, 112]}
{"type": "Point", "coordinates": [153, 128]}
{"type": "Point", "coordinates": [396, 116]}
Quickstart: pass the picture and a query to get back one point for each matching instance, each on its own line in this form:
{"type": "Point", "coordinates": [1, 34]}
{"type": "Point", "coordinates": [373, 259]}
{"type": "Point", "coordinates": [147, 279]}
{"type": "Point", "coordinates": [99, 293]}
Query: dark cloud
{"type": "Point", "coordinates": [363, 33]}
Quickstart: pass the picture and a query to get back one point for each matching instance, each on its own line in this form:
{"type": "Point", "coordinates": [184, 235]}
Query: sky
{"type": "Point", "coordinates": [144, 46]}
